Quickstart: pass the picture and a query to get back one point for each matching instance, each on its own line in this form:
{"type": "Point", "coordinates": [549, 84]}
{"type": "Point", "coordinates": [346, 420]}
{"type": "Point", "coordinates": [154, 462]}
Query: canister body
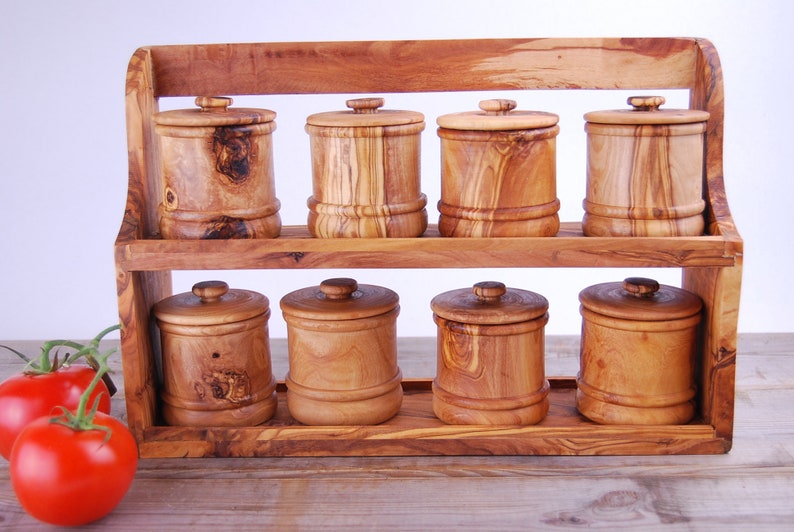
{"type": "Point", "coordinates": [498, 172]}
{"type": "Point", "coordinates": [638, 371]}
{"type": "Point", "coordinates": [490, 373]}
{"type": "Point", "coordinates": [342, 365]}
{"type": "Point", "coordinates": [498, 183]}
{"type": "Point", "coordinates": [644, 180]}
{"type": "Point", "coordinates": [216, 374]}
{"type": "Point", "coordinates": [644, 176]}
{"type": "Point", "coordinates": [366, 179]}
{"type": "Point", "coordinates": [218, 179]}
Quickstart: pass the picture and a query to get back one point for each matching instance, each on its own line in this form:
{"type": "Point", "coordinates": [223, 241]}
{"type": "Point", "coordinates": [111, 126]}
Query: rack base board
{"type": "Point", "coordinates": [416, 431]}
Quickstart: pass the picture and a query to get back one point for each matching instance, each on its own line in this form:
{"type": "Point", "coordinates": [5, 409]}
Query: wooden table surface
{"type": "Point", "coordinates": [751, 488]}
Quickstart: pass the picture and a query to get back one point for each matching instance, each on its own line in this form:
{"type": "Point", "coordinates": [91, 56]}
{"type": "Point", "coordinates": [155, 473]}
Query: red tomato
{"type": "Point", "coordinates": [24, 398]}
{"type": "Point", "coordinates": [70, 477]}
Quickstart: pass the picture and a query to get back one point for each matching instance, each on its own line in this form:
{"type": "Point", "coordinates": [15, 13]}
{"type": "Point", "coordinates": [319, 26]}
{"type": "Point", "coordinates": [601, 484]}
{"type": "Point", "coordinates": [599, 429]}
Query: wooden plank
{"type": "Point", "coordinates": [455, 496]}
{"type": "Point", "coordinates": [719, 288]}
{"type": "Point", "coordinates": [141, 218]}
{"type": "Point", "coordinates": [137, 292]}
{"type": "Point", "coordinates": [416, 431]}
{"type": "Point", "coordinates": [297, 250]}
{"type": "Point", "coordinates": [749, 488]}
{"type": "Point", "coordinates": [414, 66]}
{"type": "Point", "coordinates": [709, 94]}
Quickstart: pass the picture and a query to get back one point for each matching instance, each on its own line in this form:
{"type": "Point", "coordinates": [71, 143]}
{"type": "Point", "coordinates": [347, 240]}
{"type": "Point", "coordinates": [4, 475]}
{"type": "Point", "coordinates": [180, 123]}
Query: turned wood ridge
{"type": "Point", "coordinates": [711, 264]}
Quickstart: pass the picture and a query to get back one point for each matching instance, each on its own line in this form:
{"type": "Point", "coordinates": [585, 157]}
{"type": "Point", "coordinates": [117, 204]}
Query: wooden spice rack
{"type": "Point", "coordinates": [711, 264]}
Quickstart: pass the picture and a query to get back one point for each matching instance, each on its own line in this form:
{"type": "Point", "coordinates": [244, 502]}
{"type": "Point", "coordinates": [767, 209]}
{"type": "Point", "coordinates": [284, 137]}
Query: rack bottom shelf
{"type": "Point", "coordinates": [416, 431]}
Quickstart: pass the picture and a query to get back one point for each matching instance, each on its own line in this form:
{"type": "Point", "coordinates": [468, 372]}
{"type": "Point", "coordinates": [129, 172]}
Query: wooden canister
{"type": "Point", "coordinates": [366, 172]}
{"type": "Point", "coordinates": [644, 171]}
{"type": "Point", "coordinates": [498, 172]}
{"type": "Point", "coordinates": [342, 341]}
{"type": "Point", "coordinates": [639, 342]}
{"type": "Point", "coordinates": [216, 357]}
{"type": "Point", "coordinates": [490, 356]}
{"type": "Point", "coordinates": [217, 167]}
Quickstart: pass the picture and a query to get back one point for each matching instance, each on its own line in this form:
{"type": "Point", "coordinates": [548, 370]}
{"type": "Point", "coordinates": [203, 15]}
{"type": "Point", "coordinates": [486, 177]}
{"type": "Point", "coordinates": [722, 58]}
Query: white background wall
{"type": "Point", "coordinates": [63, 155]}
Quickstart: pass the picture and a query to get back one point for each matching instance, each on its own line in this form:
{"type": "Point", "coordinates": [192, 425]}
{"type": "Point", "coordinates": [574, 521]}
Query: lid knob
{"type": "Point", "coordinates": [489, 291]}
{"type": "Point", "coordinates": [365, 105]}
{"type": "Point", "coordinates": [209, 291]}
{"type": "Point", "coordinates": [213, 103]}
{"type": "Point", "coordinates": [338, 288]}
{"type": "Point", "coordinates": [497, 106]}
{"type": "Point", "coordinates": [646, 103]}
{"type": "Point", "coordinates": [640, 287]}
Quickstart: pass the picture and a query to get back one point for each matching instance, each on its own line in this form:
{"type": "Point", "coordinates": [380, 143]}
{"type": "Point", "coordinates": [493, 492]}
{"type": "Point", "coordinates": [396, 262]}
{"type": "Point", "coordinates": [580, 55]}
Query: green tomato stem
{"type": "Point", "coordinates": [17, 353]}
{"type": "Point", "coordinates": [91, 350]}
{"type": "Point", "coordinates": [46, 364]}
{"type": "Point", "coordinates": [83, 417]}
{"type": "Point", "coordinates": [44, 359]}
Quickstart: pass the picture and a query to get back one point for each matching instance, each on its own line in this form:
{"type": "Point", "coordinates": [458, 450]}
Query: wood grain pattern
{"type": "Point", "coordinates": [638, 354]}
{"type": "Point", "coordinates": [304, 68]}
{"type": "Point", "coordinates": [719, 288]}
{"type": "Point", "coordinates": [217, 167]}
{"type": "Point", "coordinates": [749, 488]}
{"type": "Point", "coordinates": [711, 263]}
{"type": "Point", "coordinates": [216, 365]}
{"type": "Point", "coordinates": [141, 218]}
{"type": "Point", "coordinates": [490, 351]}
{"type": "Point", "coordinates": [415, 430]}
{"type": "Point", "coordinates": [498, 183]}
{"type": "Point", "coordinates": [644, 177]}
{"type": "Point", "coordinates": [366, 173]}
{"type": "Point", "coordinates": [297, 249]}
{"type": "Point", "coordinates": [637, 375]}
{"type": "Point", "coordinates": [413, 66]}
{"type": "Point", "coordinates": [342, 353]}
{"type": "Point", "coordinates": [137, 292]}
{"type": "Point", "coordinates": [709, 94]}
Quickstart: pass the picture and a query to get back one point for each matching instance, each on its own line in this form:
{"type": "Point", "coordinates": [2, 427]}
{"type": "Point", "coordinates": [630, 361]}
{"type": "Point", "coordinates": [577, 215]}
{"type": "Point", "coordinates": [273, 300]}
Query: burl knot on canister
{"type": "Point", "coordinates": [217, 170]}
{"type": "Point", "coordinates": [216, 357]}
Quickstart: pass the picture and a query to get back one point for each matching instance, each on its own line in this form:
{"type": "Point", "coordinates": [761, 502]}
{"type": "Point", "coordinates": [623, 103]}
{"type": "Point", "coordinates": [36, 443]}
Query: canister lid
{"type": "Point", "coordinates": [645, 110]}
{"type": "Point", "coordinates": [211, 303]}
{"type": "Point", "coordinates": [489, 302]}
{"type": "Point", "coordinates": [497, 115]}
{"type": "Point", "coordinates": [365, 112]}
{"type": "Point", "coordinates": [640, 299]}
{"type": "Point", "coordinates": [214, 111]}
{"type": "Point", "coordinates": [339, 299]}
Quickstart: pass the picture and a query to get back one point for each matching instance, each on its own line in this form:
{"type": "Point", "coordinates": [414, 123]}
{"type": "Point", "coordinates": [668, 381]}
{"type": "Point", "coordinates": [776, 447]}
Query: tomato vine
{"type": "Point", "coordinates": [83, 418]}
{"type": "Point", "coordinates": [47, 363]}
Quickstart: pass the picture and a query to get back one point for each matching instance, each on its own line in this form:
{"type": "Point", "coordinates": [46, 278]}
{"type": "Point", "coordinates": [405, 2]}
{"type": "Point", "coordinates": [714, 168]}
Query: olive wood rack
{"type": "Point", "coordinates": [711, 264]}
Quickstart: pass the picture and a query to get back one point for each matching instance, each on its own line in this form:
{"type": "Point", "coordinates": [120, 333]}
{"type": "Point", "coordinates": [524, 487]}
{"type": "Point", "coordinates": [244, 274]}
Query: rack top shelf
{"type": "Point", "coordinates": [374, 67]}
